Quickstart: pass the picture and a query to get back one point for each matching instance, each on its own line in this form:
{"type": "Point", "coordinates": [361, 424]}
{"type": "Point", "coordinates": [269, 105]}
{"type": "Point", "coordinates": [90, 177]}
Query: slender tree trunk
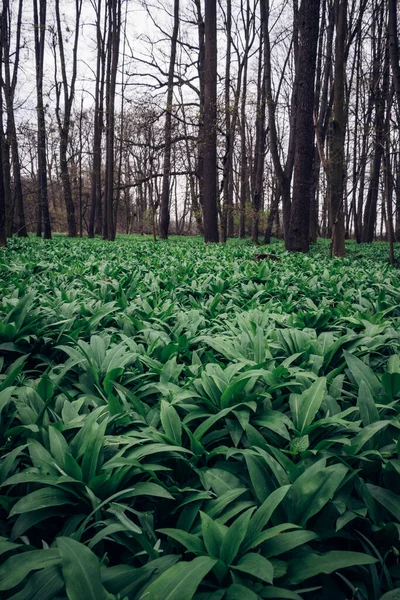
{"type": "Point", "coordinates": [164, 206]}
{"type": "Point", "coordinates": [338, 134]}
{"type": "Point", "coordinates": [39, 12]}
{"type": "Point", "coordinates": [210, 214]}
{"type": "Point", "coordinates": [201, 69]}
{"type": "Point", "coordinates": [3, 236]}
{"type": "Point", "coordinates": [298, 238]}
{"type": "Point", "coordinates": [10, 82]}
{"type": "Point", "coordinates": [260, 126]}
{"type": "Point", "coordinates": [114, 20]}
{"type": "Point", "coordinates": [394, 48]}
{"type": "Point", "coordinates": [381, 93]}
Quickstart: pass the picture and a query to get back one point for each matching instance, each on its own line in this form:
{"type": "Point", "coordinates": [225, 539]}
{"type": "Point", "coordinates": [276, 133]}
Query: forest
{"type": "Point", "coordinates": [199, 300]}
{"type": "Point", "coordinates": [256, 119]}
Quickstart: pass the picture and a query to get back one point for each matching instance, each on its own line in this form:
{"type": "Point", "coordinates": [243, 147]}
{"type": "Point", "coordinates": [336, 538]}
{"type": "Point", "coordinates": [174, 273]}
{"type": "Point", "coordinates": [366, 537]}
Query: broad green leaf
{"type": "Point", "coordinates": [239, 592]}
{"type": "Point", "coordinates": [361, 372]}
{"type": "Point", "coordinates": [191, 542]}
{"type": "Point", "coordinates": [302, 568]}
{"type": "Point", "coordinates": [256, 565]}
{"type": "Point", "coordinates": [16, 568]}
{"type": "Point", "coordinates": [366, 405]}
{"type": "Point", "coordinates": [213, 535]}
{"type": "Point", "coordinates": [387, 498]}
{"type": "Point", "coordinates": [311, 491]}
{"type": "Point", "coordinates": [263, 514]}
{"type": "Point", "coordinates": [285, 542]}
{"type": "Point", "coordinates": [234, 537]}
{"type": "Point", "coordinates": [310, 403]}
{"type": "Point", "coordinates": [171, 422]}
{"type": "Point", "coordinates": [43, 585]}
{"type": "Point", "coordinates": [43, 498]}
{"type": "Point", "coordinates": [180, 581]}
{"type": "Point", "coordinates": [81, 571]}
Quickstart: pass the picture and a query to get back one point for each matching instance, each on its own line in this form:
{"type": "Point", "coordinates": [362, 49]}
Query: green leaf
{"type": "Point", "coordinates": [45, 388]}
{"type": "Point", "coordinates": [285, 542]}
{"type": "Point", "coordinates": [44, 585]}
{"type": "Point", "coordinates": [310, 403]}
{"type": "Point", "coordinates": [366, 405]}
{"type": "Point", "coordinates": [256, 565]}
{"type": "Point", "coordinates": [5, 396]}
{"type": "Point", "coordinates": [192, 542]}
{"type": "Point", "coordinates": [180, 581]}
{"type": "Point", "coordinates": [81, 571]}
{"type": "Point", "coordinates": [361, 372]}
{"type": "Point", "coordinates": [302, 568]}
{"type": "Point", "coordinates": [312, 490]}
{"type": "Point", "coordinates": [239, 592]}
{"type": "Point", "coordinates": [387, 498]}
{"type": "Point", "coordinates": [16, 568]}
{"type": "Point", "coordinates": [213, 534]}
{"type": "Point", "coordinates": [359, 441]}
{"type": "Point", "coordinates": [263, 514]}
{"type": "Point", "coordinates": [234, 537]}
{"type": "Point", "coordinates": [393, 595]}
{"type": "Point", "coordinates": [42, 498]}
{"type": "Point", "coordinates": [171, 422]}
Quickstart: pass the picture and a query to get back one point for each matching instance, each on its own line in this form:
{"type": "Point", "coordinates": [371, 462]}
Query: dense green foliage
{"type": "Point", "coordinates": [179, 421]}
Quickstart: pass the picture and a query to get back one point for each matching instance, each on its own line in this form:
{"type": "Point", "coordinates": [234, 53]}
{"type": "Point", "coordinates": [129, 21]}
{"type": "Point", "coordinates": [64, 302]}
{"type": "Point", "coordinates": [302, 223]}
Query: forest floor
{"type": "Point", "coordinates": [179, 420]}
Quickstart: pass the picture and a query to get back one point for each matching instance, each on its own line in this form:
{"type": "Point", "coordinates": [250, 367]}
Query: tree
{"type": "Point", "coordinates": [96, 212]}
{"type": "Point", "coordinates": [338, 134]}
{"type": "Point", "coordinates": [64, 120]}
{"type": "Point", "coordinates": [297, 238]}
{"type": "Point", "coordinates": [210, 214]}
{"type": "Point", "coordinates": [3, 236]}
{"type": "Point", "coordinates": [394, 48]}
{"type": "Point", "coordinates": [114, 27]}
{"type": "Point", "coordinates": [10, 84]}
{"type": "Point", "coordinates": [43, 215]}
{"type": "Point", "coordinates": [164, 206]}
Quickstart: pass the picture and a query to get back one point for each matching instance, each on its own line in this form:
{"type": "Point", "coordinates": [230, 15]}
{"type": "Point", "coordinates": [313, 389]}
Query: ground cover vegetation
{"type": "Point", "coordinates": [181, 421]}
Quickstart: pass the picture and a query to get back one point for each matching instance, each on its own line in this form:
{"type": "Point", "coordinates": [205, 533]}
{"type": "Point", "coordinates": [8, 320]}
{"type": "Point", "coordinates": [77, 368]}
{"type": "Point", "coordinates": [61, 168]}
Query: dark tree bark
{"type": "Point", "coordinates": [201, 69]}
{"type": "Point", "coordinates": [248, 21]}
{"type": "Point", "coordinates": [3, 236]}
{"type": "Point", "coordinates": [259, 157]}
{"type": "Point", "coordinates": [10, 83]}
{"type": "Point", "coordinates": [114, 24]}
{"type": "Point", "coordinates": [380, 96]}
{"type": "Point", "coordinates": [338, 134]}
{"type": "Point", "coordinates": [64, 120]}
{"type": "Point", "coordinates": [43, 215]}
{"type": "Point", "coordinates": [298, 235]}
{"type": "Point", "coordinates": [210, 214]}
{"type": "Point", "coordinates": [96, 212]}
{"type": "Point", "coordinates": [394, 48]}
{"type": "Point", "coordinates": [164, 206]}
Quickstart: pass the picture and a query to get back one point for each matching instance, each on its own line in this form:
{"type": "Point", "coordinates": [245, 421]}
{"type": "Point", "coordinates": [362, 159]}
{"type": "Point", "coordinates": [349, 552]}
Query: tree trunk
{"type": "Point", "coordinates": [95, 217]}
{"type": "Point", "coordinates": [338, 134]}
{"type": "Point", "coordinates": [164, 206]}
{"type": "Point", "coordinates": [39, 13]}
{"type": "Point", "coordinates": [298, 235]}
{"type": "Point", "coordinates": [10, 82]}
{"type": "Point", "coordinates": [210, 214]}
{"type": "Point", "coordinates": [394, 48]}
{"type": "Point", "coordinates": [114, 23]}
